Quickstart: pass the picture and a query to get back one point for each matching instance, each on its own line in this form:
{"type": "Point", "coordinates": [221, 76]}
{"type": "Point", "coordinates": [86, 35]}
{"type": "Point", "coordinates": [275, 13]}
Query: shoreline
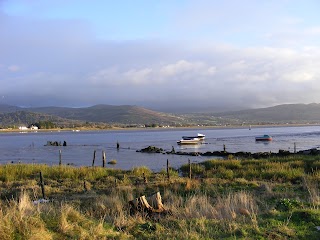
{"type": "Point", "coordinates": [156, 128]}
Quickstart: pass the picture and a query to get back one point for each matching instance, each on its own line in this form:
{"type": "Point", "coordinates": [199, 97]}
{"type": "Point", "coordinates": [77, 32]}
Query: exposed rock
{"type": "Point", "coordinates": [151, 149]}
{"type": "Point", "coordinates": [258, 155]}
{"type": "Point", "coordinates": [53, 143]}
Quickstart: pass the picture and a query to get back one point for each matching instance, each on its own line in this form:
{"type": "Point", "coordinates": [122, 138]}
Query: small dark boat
{"type": "Point", "coordinates": [264, 138]}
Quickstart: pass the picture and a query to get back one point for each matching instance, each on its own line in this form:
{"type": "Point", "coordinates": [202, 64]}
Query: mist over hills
{"type": "Point", "coordinates": [286, 113]}
{"type": "Point", "coordinates": [135, 115]}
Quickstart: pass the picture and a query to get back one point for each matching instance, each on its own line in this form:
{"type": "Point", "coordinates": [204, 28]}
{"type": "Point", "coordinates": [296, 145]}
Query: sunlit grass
{"type": "Point", "coordinates": [232, 199]}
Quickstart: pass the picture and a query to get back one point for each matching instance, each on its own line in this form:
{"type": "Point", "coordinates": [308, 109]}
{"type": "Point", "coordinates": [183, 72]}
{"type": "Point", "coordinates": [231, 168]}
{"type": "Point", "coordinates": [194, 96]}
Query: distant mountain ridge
{"type": "Point", "coordinates": [124, 114]}
{"type": "Point", "coordinates": [25, 118]}
{"type": "Point", "coordinates": [4, 108]}
{"type": "Point", "coordinates": [131, 115]}
{"type": "Point", "coordinates": [285, 113]}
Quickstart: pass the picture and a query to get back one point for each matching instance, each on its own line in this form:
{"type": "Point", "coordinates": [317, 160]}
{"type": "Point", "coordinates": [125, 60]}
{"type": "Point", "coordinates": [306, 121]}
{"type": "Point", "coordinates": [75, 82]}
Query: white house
{"type": "Point", "coordinates": [34, 127]}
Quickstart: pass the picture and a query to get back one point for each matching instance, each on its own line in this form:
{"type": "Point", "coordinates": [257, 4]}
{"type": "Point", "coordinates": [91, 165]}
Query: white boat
{"type": "Point", "coordinates": [188, 141]}
{"type": "Point", "coordinates": [199, 137]}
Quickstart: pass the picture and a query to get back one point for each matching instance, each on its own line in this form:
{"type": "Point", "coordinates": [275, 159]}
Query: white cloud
{"type": "Point", "coordinates": [221, 57]}
{"type": "Point", "coordinates": [298, 77]}
{"type": "Point", "coordinates": [180, 67]}
{"type": "Point", "coordinates": [138, 77]}
{"type": "Point", "coordinates": [239, 76]}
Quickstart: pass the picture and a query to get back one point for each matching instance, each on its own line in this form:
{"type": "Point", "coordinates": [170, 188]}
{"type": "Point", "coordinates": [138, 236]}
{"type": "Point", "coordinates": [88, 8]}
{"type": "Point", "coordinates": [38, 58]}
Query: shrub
{"type": "Point", "coordinates": [286, 204]}
{"type": "Point", "coordinates": [172, 172]}
{"type": "Point", "coordinates": [222, 172]}
{"type": "Point", "coordinates": [139, 171]}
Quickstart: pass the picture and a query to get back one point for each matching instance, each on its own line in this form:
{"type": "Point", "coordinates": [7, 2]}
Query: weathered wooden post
{"type": "Point", "coordinates": [224, 147]}
{"type": "Point", "coordinates": [144, 178]}
{"type": "Point", "coordinates": [294, 148]}
{"type": "Point", "coordinates": [168, 174]}
{"type": "Point", "coordinates": [60, 158]}
{"type": "Point", "coordinates": [103, 158]}
{"type": "Point", "coordinates": [42, 186]}
{"type": "Point", "coordinates": [94, 157]}
{"type": "Point", "coordinates": [118, 145]}
{"type": "Point", "coordinates": [85, 185]}
{"type": "Point", "coordinates": [189, 168]}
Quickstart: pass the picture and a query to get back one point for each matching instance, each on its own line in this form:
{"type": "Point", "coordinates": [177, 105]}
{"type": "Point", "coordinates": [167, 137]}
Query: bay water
{"type": "Point", "coordinates": [29, 147]}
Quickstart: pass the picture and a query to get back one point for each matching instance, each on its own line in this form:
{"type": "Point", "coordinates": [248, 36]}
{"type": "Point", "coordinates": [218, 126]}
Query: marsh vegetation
{"type": "Point", "coordinates": [274, 198]}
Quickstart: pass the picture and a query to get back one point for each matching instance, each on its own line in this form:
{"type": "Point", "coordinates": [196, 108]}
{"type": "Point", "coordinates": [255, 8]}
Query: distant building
{"type": "Point", "coordinates": [34, 127]}
{"type": "Point", "coordinates": [24, 128]}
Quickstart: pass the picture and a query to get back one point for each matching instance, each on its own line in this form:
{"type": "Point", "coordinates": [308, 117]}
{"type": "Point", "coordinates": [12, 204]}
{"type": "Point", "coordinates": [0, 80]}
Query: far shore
{"type": "Point", "coordinates": [6, 130]}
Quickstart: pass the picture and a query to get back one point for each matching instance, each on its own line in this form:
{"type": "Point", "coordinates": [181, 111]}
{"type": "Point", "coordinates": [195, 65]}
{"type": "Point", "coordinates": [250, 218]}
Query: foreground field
{"type": "Point", "coordinates": [275, 198]}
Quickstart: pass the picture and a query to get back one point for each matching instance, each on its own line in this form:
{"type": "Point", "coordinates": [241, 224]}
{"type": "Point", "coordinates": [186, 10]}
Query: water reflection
{"type": "Point", "coordinates": [263, 142]}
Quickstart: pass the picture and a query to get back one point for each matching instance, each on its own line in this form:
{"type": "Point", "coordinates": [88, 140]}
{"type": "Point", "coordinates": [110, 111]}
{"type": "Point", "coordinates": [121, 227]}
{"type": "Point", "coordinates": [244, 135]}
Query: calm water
{"type": "Point", "coordinates": [29, 147]}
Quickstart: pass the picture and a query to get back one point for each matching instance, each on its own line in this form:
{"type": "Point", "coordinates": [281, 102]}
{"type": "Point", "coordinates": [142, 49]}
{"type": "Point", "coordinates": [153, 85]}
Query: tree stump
{"type": "Point", "coordinates": [140, 205]}
{"type": "Point", "coordinates": [149, 206]}
{"type": "Point", "coordinates": [156, 202]}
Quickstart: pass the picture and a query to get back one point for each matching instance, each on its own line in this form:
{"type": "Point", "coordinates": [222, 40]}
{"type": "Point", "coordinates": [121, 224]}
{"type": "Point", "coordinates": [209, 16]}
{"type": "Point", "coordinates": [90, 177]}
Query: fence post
{"type": "Point", "coordinates": [144, 178]}
{"type": "Point", "coordinates": [60, 158]}
{"type": "Point", "coordinates": [85, 185]}
{"type": "Point", "coordinates": [42, 186]}
{"type": "Point", "coordinates": [103, 158]}
{"type": "Point", "coordinates": [168, 174]}
{"type": "Point", "coordinates": [189, 168]}
{"type": "Point", "coordinates": [94, 157]}
{"type": "Point", "coordinates": [294, 148]}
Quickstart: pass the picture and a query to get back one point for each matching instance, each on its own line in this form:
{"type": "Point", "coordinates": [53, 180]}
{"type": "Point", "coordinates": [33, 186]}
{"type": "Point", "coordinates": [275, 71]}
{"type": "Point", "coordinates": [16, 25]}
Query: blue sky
{"type": "Point", "coordinates": [159, 54]}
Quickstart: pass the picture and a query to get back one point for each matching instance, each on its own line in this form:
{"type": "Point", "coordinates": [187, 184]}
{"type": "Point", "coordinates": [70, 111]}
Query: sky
{"type": "Point", "coordinates": [159, 54]}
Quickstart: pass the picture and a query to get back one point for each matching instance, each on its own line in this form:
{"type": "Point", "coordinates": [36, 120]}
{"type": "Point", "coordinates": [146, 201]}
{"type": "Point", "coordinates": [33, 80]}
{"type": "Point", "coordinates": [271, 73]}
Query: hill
{"type": "Point", "coordinates": [26, 118]}
{"type": "Point", "coordinates": [103, 114]}
{"type": "Point", "coordinates": [286, 113]}
{"type": "Point", "coordinates": [4, 108]}
{"type": "Point", "coordinates": [125, 114]}
{"type": "Point", "coordinates": [134, 115]}
{"type": "Point", "coordinates": [17, 118]}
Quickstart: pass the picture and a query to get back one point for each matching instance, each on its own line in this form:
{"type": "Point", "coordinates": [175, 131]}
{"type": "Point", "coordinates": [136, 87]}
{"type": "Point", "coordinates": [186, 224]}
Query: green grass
{"type": "Point", "coordinates": [274, 198]}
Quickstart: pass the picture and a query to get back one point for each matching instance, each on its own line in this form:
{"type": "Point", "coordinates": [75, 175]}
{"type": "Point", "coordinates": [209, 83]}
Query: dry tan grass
{"type": "Point", "coordinates": [235, 205]}
{"type": "Point", "coordinates": [313, 190]}
{"type": "Point", "coordinates": [198, 206]}
{"type": "Point", "coordinates": [20, 220]}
